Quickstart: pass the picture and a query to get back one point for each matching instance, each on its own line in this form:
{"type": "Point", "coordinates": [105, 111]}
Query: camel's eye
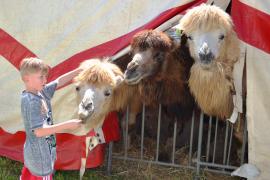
{"type": "Point", "coordinates": [158, 56]}
{"type": "Point", "coordinates": [107, 92]}
{"type": "Point", "coordinates": [190, 38]}
{"type": "Point", "coordinates": [77, 88]}
{"type": "Point", "coordinates": [221, 37]}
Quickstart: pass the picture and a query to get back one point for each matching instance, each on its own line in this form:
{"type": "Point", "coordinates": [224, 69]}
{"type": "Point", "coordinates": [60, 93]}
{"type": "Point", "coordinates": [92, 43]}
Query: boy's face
{"type": "Point", "coordinates": [35, 81]}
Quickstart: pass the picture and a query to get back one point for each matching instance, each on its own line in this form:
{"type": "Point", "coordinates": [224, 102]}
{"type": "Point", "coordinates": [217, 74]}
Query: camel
{"type": "Point", "coordinates": [161, 74]}
{"type": "Point", "coordinates": [100, 89]}
{"type": "Point", "coordinates": [214, 47]}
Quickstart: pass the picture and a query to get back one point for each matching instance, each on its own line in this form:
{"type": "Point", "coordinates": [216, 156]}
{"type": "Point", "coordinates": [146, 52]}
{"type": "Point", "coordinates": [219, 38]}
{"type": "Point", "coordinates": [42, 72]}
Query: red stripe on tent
{"type": "Point", "coordinates": [70, 148]}
{"type": "Point", "coordinates": [12, 50]}
{"type": "Point", "coordinates": [252, 25]}
{"type": "Point", "coordinates": [112, 47]}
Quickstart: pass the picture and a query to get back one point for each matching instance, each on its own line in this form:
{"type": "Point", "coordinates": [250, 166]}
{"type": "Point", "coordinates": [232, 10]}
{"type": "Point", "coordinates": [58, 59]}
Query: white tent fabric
{"type": "Point", "coordinates": [258, 109]}
{"type": "Point", "coordinates": [57, 30]}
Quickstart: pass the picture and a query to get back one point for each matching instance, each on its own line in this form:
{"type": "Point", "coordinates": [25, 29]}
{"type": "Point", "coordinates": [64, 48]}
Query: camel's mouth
{"type": "Point", "coordinates": [206, 61]}
{"type": "Point", "coordinates": [132, 78]}
{"type": "Point", "coordinates": [85, 117]}
{"type": "Point", "coordinates": [85, 114]}
{"type": "Point", "coordinates": [206, 58]}
{"type": "Point", "coordinates": [205, 65]}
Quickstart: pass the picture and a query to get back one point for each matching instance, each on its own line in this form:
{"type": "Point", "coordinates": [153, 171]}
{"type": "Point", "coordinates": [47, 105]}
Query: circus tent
{"type": "Point", "coordinates": [65, 33]}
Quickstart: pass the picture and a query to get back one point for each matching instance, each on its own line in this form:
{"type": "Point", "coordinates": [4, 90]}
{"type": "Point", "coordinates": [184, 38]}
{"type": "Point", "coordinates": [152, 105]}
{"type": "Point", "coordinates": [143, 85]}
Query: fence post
{"type": "Point", "coordinates": [199, 147]}
{"type": "Point", "coordinates": [109, 163]}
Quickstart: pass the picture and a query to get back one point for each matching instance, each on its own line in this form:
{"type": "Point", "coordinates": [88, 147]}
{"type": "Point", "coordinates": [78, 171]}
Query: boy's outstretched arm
{"type": "Point", "coordinates": [58, 128]}
{"type": "Point", "coordinates": [65, 78]}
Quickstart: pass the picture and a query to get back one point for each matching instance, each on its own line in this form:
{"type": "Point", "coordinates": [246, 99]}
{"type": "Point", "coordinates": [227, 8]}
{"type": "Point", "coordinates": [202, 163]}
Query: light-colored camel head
{"type": "Point", "coordinates": [210, 35]}
{"type": "Point", "coordinates": [149, 49]}
{"type": "Point", "coordinates": [95, 90]}
{"type": "Point", "coordinates": [214, 46]}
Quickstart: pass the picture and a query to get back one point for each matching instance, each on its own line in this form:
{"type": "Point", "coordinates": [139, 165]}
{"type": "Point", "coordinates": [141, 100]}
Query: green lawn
{"type": "Point", "coordinates": [10, 170]}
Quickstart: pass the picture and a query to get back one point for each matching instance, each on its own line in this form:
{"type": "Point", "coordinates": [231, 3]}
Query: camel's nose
{"type": "Point", "coordinates": [205, 54]}
{"type": "Point", "coordinates": [86, 108]}
{"type": "Point", "coordinates": [132, 66]}
{"type": "Point", "coordinates": [204, 49]}
{"type": "Point", "coordinates": [87, 104]}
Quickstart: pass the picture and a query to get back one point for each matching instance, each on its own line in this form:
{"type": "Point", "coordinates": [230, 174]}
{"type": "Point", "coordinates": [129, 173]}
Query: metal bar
{"type": "Point", "coordinates": [218, 171]}
{"type": "Point", "coordinates": [191, 139]}
{"type": "Point", "coordinates": [109, 165]}
{"type": "Point", "coordinates": [217, 165]}
{"type": "Point", "coordinates": [215, 140]}
{"type": "Point", "coordinates": [230, 144]}
{"type": "Point", "coordinates": [199, 144]}
{"type": "Point", "coordinates": [158, 130]}
{"type": "Point", "coordinates": [142, 133]}
{"type": "Point", "coordinates": [154, 162]}
{"type": "Point", "coordinates": [208, 139]}
{"type": "Point", "coordinates": [126, 132]}
{"type": "Point", "coordinates": [225, 143]}
{"type": "Point", "coordinates": [244, 142]}
{"type": "Point", "coordinates": [174, 139]}
{"type": "Point", "coordinates": [179, 165]}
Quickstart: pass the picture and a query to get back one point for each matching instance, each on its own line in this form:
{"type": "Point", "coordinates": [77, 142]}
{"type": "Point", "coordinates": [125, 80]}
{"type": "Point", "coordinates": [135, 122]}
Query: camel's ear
{"type": "Point", "coordinates": [119, 80]}
{"type": "Point", "coordinates": [184, 49]}
{"type": "Point", "coordinates": [175, 36]}
{"type": "Point", "coordinates": [183, 40]}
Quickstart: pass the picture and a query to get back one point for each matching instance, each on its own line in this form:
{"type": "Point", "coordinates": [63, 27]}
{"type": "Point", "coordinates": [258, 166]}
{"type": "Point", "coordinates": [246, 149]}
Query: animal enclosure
{"type": "Point", "coordinates": [206, 143]}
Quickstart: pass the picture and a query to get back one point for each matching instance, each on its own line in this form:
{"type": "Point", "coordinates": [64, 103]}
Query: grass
{"type": "Point", "coordinates": [10, 170]}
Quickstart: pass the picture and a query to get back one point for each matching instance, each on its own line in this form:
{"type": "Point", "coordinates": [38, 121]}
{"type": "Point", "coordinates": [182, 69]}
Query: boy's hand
{"type": "Point", "coordinates": [65, 78]}
{"type": "Point", "coordinates": [77, 71]}
{"type": "Point", "coordinates": [74, 124]}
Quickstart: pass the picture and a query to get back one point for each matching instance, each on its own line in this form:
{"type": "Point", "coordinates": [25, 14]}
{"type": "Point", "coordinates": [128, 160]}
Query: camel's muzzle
{"type": "Point", "coordinates": [131, 75]}
{"type": "Point", "coordinates": [85, 111]}
{"type": "Point", "coordinates": [205, 54]}
{"type": "Point", "coordinates": [206, 58]}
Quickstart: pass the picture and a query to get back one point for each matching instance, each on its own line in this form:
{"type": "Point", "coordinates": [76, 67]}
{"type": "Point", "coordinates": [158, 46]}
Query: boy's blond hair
{"type": "Point", "coordinates": [33, 65]}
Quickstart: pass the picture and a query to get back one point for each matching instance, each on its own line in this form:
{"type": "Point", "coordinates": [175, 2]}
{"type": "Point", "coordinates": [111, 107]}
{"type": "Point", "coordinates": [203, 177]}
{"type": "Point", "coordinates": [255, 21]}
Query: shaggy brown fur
{"type": "Point", "coordinates": [213, 87]}
{"type": "Point", "coordinates": [168, 84]}
{"type": "Point", "coordinates": [100, 72]}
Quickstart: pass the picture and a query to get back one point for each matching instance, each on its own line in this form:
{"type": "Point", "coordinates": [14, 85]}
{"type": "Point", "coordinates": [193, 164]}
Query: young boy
{"type": "Point", "coordinates": [40, 145]}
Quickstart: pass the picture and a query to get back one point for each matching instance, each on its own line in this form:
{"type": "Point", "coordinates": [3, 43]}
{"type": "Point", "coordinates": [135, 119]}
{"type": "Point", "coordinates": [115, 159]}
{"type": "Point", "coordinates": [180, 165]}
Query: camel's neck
{"type": "Point", "coordinates": [213, 76]}
{"type": "Point", "coordinates": [212, 90]}
{"type": "Point", "coordinates": [122, 95]}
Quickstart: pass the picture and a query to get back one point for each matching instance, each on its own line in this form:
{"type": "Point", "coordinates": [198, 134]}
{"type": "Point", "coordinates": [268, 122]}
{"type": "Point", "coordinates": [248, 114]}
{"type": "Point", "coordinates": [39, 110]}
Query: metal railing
{"type": "Point", "coordinates": [213, 133]}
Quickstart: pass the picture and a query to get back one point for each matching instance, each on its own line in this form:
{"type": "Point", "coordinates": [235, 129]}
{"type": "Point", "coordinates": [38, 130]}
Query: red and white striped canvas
{"type": "Point", "coordinates": [63, 34]}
